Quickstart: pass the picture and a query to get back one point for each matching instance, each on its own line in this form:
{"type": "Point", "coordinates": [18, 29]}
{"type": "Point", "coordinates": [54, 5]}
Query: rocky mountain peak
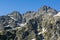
{"type": "Point", "coordinates": [47, 9]}
{"type": "Point", "coordinates": [15, 15]}
{"type": "Point", "coordinates": [29, 11]}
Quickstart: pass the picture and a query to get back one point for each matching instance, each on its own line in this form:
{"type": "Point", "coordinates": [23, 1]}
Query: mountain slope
{"type": "Point", "coordinates": [41, 25]}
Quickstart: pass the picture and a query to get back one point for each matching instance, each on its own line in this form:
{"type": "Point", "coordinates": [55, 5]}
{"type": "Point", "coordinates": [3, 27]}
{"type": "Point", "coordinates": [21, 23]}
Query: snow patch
{"type": "Point", "coordinates": [58, 14]}
{"type": "Point", "coordinates": [39, 33]}
{"type": "Point", "coordinates": [7, 26]}
{"type": "Point", "coordinates": [10, 15]}
{"type": "Point", "coordinates": [43, 30]}
{"type": "Point", "coordinates": [23, 24]}
{"type": "Point", "coordinates": [13, 18]}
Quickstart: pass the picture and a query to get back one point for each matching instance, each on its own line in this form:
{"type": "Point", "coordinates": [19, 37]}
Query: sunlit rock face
{"type": "Point", "coordinates": [41, 25]}
{"type": "Point", "coordinates": [46, 9]}
{"type": "Point", "coordinates": [29, 15]}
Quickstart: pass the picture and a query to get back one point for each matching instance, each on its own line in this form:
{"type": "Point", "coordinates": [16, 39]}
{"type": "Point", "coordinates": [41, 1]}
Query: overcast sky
{"type": "Point", "coordinates": [7, 6]}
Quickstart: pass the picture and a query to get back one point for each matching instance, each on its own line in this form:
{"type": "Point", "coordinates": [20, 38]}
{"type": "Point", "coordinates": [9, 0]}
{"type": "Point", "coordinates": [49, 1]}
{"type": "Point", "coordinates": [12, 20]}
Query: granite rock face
{"type": "Point", "coordinates": [41, 25]}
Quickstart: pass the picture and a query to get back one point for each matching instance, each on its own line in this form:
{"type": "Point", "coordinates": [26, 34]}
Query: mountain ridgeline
{"type": "Point", "coordinates": [41, 25]}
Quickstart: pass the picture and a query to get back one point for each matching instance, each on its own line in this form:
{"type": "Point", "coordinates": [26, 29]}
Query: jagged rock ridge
{"type": "Point", "coordinates": [41, 25]}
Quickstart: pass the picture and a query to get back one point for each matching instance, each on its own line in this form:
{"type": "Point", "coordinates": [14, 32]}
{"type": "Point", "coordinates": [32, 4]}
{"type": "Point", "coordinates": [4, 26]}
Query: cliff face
{"type": "Point", "coordinates": [41, 25]}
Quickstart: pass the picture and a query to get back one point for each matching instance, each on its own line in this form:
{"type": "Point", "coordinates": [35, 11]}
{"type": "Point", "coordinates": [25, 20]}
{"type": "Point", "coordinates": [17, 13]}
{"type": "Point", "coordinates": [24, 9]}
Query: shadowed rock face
{"type": "Point", "coordinates": [1, 27]}
{"type": "Point", "coordinates": [11, 20]}
{"type": "Point", "coordinates": [16, 15]}
{"type": "Point", "coordinates": [40, 25]}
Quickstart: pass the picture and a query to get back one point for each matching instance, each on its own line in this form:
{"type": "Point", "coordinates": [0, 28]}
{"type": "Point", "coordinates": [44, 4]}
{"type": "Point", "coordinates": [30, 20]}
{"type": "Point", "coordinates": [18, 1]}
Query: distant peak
{"type": "Point", "coordinates": [45, 6]}
{"type": "Point", "coordinates": [47, 9]}
{"type": "Point", "coordinates": [29, 11]}
{"type": "Point", "coordinates": [15, 12]}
